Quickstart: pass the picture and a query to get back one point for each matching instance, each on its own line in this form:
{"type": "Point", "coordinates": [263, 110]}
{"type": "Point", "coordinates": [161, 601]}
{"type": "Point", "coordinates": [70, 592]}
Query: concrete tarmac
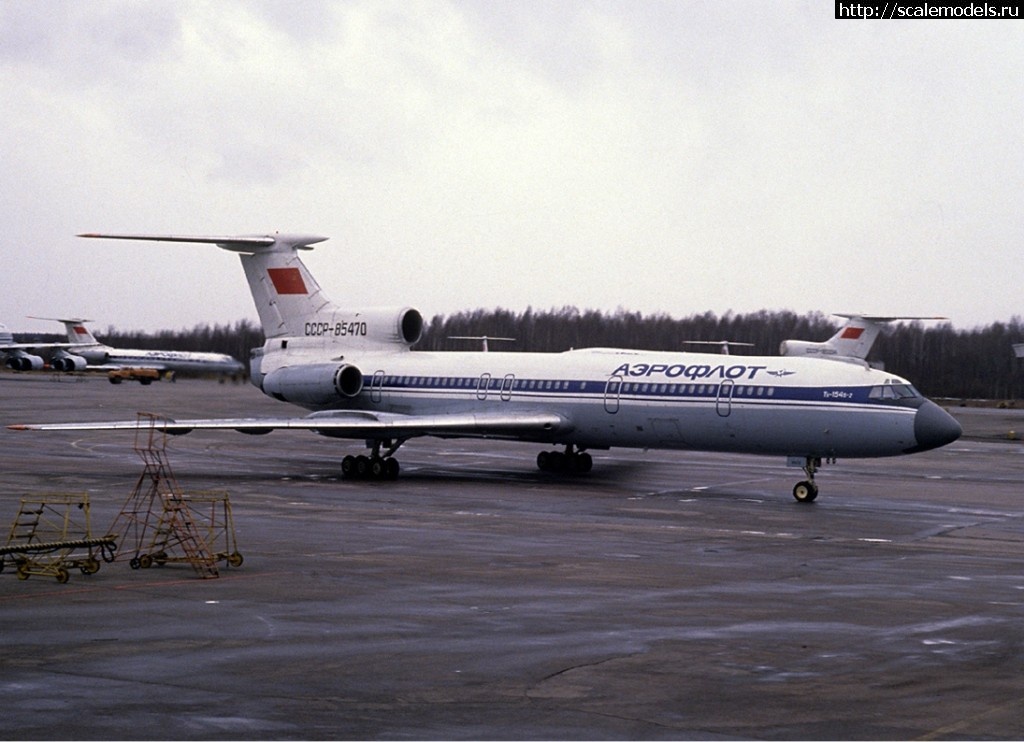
{"type": "Point", "coordinates": [666, 595]}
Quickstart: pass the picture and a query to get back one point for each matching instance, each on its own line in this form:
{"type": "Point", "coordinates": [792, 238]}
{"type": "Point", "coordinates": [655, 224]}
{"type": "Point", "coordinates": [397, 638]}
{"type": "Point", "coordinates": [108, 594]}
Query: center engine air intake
{"type": "Point", "coordinates": [319, 385]}
{"type": "Point", "coordinates": [411, 324]}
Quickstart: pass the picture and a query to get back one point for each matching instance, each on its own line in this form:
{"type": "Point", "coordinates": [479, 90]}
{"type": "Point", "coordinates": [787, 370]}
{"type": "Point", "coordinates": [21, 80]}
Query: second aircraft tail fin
{"type": "Point", "coordinates": [78, 333]}
{"type": "Point", "coordinates": [853, 341]}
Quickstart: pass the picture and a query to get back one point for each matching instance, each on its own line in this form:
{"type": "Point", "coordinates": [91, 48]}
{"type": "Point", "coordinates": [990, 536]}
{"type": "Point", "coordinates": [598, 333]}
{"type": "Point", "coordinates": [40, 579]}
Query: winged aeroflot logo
{"type": "Point", "coordinates": [782, 372]}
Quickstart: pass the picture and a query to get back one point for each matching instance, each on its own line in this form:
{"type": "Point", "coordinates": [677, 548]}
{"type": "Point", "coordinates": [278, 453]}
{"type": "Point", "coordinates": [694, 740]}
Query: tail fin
{"type": "Point", "coordinates": [78, 333]}
{"type": "Point", "coordinates": [284, 291]}
{"type": "Point", "coordinates": [287, 296]}
{"type": "Point", "coordinates": [852, 343]}
{"type": "Point", "coordinates": [289, 300]}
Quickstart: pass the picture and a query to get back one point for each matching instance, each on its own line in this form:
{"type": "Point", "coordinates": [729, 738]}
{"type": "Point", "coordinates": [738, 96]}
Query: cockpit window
{"type": "Point", "coordinates": [893, 392]}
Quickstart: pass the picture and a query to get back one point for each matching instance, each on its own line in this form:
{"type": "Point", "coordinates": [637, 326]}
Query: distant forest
{"type": "Point", "coordinates": [940, 360]}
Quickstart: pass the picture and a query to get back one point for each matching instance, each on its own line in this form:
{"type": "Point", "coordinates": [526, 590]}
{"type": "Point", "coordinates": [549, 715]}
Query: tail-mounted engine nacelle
{"type": "Point", "coordinates": [25, 362]}
{"type": "Point", "coordinates": [318, 385]}
{"type": "Point", "coordinates": [373, 327]}
{"type": "Point", "coordinates": [63, 361]}
{"type": "Point", "coordinates": [805, 348]}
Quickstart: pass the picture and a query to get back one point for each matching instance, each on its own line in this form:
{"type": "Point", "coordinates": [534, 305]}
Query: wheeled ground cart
{"type": "Point", "coordinates": [51, 535]}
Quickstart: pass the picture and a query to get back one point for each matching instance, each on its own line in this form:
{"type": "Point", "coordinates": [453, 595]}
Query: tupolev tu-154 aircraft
{"type": "Point", "coordinates": [355, 371]}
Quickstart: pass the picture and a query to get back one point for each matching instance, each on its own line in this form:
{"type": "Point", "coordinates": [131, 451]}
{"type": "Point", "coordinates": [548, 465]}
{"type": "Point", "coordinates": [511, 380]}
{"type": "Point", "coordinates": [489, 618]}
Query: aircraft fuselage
{"type": "Point", "coordinates": [610, 397]}
{"type": "Point", "coordinates": [164, 360]}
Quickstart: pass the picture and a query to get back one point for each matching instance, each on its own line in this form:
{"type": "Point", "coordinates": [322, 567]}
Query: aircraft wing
{"type": "Point", "coordinates": [34, 346]}
{"type": "Point", "coordinates": [349, 424]}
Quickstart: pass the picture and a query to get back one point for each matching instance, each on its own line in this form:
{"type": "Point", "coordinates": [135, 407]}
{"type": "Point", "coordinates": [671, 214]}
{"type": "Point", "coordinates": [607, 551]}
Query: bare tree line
{"type": "Point", "coordinates": [941, 361]}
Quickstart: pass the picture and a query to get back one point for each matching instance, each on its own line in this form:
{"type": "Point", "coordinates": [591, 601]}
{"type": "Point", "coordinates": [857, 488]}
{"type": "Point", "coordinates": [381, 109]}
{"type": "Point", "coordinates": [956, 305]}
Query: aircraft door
{"type": "Point", "coordinates": [506, 387]}
{"type": "Point", "coordinates": [724, 403]}
{"type": "Point", "coordinates": [482, 385]}
{"type": "Point", "coordinates": [612, 389]}
{"type": "Point", "coordinates": [377, 386]}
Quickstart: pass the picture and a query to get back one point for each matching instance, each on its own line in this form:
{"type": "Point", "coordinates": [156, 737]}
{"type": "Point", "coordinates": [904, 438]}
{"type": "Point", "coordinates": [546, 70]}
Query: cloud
{"type": "Point", "coordinates": [657, 156]}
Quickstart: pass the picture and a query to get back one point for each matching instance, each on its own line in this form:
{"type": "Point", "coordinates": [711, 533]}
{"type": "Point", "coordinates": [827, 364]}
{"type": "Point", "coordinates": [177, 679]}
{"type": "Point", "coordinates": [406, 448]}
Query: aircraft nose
{"type": "Point", "coordinates": [934, 427]}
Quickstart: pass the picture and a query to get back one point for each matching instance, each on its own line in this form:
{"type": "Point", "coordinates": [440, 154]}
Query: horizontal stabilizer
{"type": "Point", "coordinates": [234, 243]}
{"type": "Point", "coordinates": [880, 318]}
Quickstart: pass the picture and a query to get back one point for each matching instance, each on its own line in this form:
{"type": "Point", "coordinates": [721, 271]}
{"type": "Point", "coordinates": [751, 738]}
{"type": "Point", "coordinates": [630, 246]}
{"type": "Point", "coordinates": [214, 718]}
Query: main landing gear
{"type": "Point", "coordinates": [375, 466]}
{"type": "Point", "coordinates": [807, 490]}
{"type": "Point", "coordinates": [570, 462]}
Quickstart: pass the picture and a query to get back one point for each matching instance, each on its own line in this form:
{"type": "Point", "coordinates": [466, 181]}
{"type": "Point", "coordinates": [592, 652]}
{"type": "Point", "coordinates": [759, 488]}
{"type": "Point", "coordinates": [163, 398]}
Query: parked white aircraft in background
{"type": "Point", "coordinates": [17, 355]}
{"type": "Point", "coordinates": [485, 339]}
{"type": "Point", "coordinates": [355, 370]}
{"type": "Point", "coordinates": [723, 345]}
{"type": "Point", "coordinates": [853, 341]}
{"type": "Point", "coordinates": [83, 352]}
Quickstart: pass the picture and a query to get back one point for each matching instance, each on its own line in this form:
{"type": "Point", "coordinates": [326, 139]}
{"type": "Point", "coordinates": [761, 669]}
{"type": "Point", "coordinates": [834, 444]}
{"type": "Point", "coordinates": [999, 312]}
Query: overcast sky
{"type": "Point", "coordinates": [676, 157]}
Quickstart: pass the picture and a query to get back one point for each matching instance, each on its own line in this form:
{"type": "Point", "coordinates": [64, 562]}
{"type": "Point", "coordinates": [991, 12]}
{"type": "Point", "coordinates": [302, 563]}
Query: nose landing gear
{"type": "Point", "coordinates": [807, 490]}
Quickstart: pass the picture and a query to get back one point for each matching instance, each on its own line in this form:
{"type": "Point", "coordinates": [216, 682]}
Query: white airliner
{"type": "Point", "coordinates": [83, 352]}
{"type": "Point", "coordinates": [354, 369]}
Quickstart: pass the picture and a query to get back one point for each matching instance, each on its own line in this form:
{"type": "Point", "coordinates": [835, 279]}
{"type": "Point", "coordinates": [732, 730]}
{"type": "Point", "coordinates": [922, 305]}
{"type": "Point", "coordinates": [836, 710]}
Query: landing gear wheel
{"type": "Point", "coordinates": [805, 491]}
{"type": "Point", "coordinates": [571, 462]}
{"type": "Point", "coordinates": [376, 468]}
{"type": "Point", "coordinates": [370, 467]}
{"type": "Point", "coordinates": [235, 559]}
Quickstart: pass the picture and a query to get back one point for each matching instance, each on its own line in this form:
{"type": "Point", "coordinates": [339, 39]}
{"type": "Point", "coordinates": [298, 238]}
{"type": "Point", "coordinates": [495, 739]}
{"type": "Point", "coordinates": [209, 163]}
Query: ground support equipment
{"type": "Point", "coordinates": [51, 535]}
{"type": "Point", "coordinates": [211, 511]}
{"type": "Point", "coordinates": [156, 509]}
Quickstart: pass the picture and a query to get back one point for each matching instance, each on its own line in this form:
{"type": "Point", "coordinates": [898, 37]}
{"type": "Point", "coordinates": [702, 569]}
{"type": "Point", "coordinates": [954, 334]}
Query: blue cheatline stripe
{"type": "Point", "coordinates": [566, 388]}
